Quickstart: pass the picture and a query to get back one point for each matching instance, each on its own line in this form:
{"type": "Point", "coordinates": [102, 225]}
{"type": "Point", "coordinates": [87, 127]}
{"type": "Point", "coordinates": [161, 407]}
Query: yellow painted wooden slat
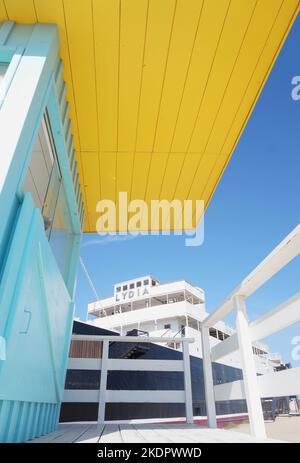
{"type": "Point", "coordinates": [106, 33]}
{"type": "Point", "coordinates": [123, 186]}
{"type": "Point", "coordinates": [210, 27]}
{"type": "Point", "coordinates": [55, 15]}
{"type": "Point", "coordinates": [92, 221]}
{"type": "Point", "coordinates": [183, 37]}
{"type": "Point", "coordinates": [237, 21]}
{"type": "Point", "coordinates": [246, 63]}
{"type": "Point", "coordinates": [80, 172]}
{"type": "Point", "coordinates": [204, 169]}
{"type": "Point", "coordinates": [155, 177]}
{"type": "Point", "coordinates": [86, 225]}
{"type": "Point", "coordinates": [124, 172]}
{"type": "Point", "coordinates": [214, 177]}
{"type": "Point", "coordinates": [160, 18]}
{"type": "Point", "coordinates": [21, 11]}
{"type": "Point", "coordinates": [156, 171]}
{"type": "Point", "coordinates": [108, 175]}
{"type": "Point", "coordinates": [140, 175]}
{"type": "Point", "coordinates": [78, 157]}
{"type": "Point", "coordinates": [202, 172]}
{"type": "Point", "coordinates": [280, 29]}
{"type": "Point", "coordinates": [171, 175]}
{"type": "Point", "coordinates": [90, 163]}
{"type": "Point", "coordinates": [3, 15]}
{"type": "Point", "coordinates": [81, 45]}
{"type": "Point", "coordinates": [132, 39]}
{"type": "Point", "coordinates": [189, 168]}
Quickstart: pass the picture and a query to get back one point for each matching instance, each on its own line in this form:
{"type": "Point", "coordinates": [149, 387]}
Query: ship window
{"type": "Point", "coordinates": [118, 289]}
{"type": "Point", "coordinates": [189, 297]}
{"type": "Point", "coordinates": [153, 282]}
{"type": "Point", "coordinates": [140, 304]}
{"type": "Point", "coordinates": [131, 286]}
{"type": "Point", "coordinates": [221, 335]}
{"type": "Point", "coordinates": [176, 297]}
{"type": "Point", "coordinates": [139, 284]}
{"type": "Point", "coordinates": [159, 300]}
{"type": "Point", "coordinates": [43, 177]}
{"type": "Point", "coordinates": [125, 287]}
{"type": "Point", "coordinates": [146, 282]}
{"type": "Point", "coordinates": [213, 332]}
{"type": "Point", "coordinates": [167, 326]}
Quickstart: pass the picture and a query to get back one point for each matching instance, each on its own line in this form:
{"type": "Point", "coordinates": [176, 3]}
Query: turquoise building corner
{"type": "Point", "coordinates": [41, 221]}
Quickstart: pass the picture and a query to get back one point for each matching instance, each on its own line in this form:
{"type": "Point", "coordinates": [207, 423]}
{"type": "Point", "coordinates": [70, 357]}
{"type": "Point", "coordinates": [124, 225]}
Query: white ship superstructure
{"type": "Point", "coordinates": [169, 310]}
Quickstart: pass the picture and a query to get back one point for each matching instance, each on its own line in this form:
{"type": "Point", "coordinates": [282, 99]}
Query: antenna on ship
{"type": "Point", "coordinates": [89, 279]}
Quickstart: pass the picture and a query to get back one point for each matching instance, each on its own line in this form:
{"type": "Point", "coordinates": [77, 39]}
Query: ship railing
{"type": "Point", "coordinates": [253, 388]}
{"type": "Point", "coordinates": [105, 364]}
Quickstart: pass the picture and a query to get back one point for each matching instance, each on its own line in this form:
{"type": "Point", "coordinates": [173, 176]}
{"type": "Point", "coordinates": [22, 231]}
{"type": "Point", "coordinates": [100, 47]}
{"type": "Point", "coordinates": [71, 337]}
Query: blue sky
{"type": "Point", "coordinates": [256, 204]}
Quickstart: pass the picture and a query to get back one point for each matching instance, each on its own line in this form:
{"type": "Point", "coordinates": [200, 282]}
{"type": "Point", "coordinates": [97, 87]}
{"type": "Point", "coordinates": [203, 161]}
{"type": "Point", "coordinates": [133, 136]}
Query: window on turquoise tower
{"type": "Point", "coordinates": [3, 68]}
{"type": "Point", "coordinates": [44, 181]}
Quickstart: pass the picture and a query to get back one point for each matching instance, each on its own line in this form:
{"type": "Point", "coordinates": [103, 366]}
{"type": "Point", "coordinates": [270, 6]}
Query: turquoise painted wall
{"type": "Point", "coordinates": [36, 299]}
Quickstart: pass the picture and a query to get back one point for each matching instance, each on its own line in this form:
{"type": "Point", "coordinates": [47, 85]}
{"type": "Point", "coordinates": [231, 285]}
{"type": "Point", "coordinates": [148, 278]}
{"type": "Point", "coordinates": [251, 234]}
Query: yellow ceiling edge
{"type": "Point", "coordinates": [297, 10]}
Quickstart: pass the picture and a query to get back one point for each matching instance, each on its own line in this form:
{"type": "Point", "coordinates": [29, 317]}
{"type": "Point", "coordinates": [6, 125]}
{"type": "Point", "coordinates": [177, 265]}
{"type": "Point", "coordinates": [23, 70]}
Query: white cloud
{"type": "Point", "coordinates": [105, 240]}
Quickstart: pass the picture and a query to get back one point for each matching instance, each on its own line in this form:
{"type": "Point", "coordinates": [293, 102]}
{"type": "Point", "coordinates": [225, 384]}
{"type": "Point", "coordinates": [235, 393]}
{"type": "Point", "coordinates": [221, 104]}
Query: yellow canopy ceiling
{"type": "Point", "coordinates": [159, 90]}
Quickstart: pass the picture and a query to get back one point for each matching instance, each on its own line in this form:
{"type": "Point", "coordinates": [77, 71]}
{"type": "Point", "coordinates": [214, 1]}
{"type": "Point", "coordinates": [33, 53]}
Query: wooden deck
{"type": "Point", "coordinates": [143, 433]}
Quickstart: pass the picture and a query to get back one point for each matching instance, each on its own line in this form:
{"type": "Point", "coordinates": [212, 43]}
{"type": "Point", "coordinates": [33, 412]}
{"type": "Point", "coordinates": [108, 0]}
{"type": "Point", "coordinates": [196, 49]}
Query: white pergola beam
{"type": "Point", "coordinates": [287, 250]}
{"type": "Point", "coordinates": [283, 383]}
{"type": "Point", "coordinates": [208, 379]}
{"type": "Point", "coordinates": [224, 348]}
{"type": "Point", "coordinates": [281, 317]}
{"type": "Point", "coordinates": [256, 419]}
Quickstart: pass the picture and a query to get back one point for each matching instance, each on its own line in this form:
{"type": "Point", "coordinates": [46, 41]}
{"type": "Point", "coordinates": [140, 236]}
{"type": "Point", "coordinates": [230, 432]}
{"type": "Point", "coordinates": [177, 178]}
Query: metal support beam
{"type": "Point", "coordinates": [208, 378]}
{"type": "Point", "coordinates": [103, 381]}
{"type": "Point", "coordinates": [187, 383]}
{"type": "Point", "coordinates": [252, 392]}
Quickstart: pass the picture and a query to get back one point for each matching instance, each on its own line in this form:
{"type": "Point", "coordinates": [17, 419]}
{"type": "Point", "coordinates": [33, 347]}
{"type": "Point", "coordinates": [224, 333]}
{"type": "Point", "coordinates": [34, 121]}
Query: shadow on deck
{"type": "Point", "coordinates": [143, 433]}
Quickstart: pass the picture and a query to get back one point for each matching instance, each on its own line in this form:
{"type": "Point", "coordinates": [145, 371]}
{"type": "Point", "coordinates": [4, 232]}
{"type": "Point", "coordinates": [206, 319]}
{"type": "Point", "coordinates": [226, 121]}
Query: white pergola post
{"type": "Point", "coordinates": [187, 383]}
{"type": "Point", "coordinates": [208, 378]}
{"type": "Point", "coordinates": [256, 418]}
{"type": "Point", "coordinates": [103, 381]}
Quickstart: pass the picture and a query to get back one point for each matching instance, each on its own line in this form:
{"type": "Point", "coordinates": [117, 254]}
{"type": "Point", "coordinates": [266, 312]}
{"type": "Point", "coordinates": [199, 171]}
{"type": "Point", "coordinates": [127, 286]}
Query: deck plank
{"type": "Point", "coordinates": [63, 429]}
{"type": "Point", "coordinates": [178, 434]}
{"type": "Point", "coordinates": [193, 433]}
{"type": "Point", "coordinates": [111, 434]}
{"type": "Point", "coordinates": [142, 433]}
{"type": "Point", "coordinates": [130, 435]}
{"type": "Point", "coordinates": [150, 434]}
{"type": "Point", "coordinates": [73, 433]}
{"type": "Point", "coordinates": [91, 435]}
